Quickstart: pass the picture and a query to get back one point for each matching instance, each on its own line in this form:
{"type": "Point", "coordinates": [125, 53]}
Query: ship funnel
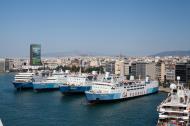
{"type": "Point", "coordinates": [54, 71]}
{"type": "Point", "coordinates": [132, 78]}
{"type": "Point", "coordinates": [94, 72]}
{"type": "Point", "coordinates": [67, 71]}
{"type": "Point", "coordinates": [107, 74]}
{"type": "Point", "coordinates": [147, 79]}
{"type": "Point", "coordinates": [61, 71]}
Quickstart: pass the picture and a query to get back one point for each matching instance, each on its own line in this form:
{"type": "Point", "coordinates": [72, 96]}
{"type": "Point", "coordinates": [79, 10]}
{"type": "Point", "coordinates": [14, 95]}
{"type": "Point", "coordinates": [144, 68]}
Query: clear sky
{"type": "Point", "coordinates": [130, 27]}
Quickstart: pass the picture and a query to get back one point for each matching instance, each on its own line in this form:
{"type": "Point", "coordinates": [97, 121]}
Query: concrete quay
{"type": "Point", "coordinates": [163, 89]}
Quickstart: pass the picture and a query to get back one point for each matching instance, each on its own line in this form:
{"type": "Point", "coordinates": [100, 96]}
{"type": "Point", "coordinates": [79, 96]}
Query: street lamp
{"type": "Point", "coordinates": [178, 79]}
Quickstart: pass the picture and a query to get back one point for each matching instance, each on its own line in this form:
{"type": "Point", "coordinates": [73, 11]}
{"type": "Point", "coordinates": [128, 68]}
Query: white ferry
{"type": "Point", "coordinates": [117, 90]}
{"type": "Point", "coordinates": [77, 84]}
{"type": "Point", "coordinates": [23, 80]}
{"type": "Point", "coordinates": [51, 82]}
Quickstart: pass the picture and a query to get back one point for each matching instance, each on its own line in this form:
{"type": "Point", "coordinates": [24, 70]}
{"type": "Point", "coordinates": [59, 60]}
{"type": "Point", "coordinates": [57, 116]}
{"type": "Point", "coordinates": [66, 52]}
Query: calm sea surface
{"type": "Point", "coordinates": [28, 108]}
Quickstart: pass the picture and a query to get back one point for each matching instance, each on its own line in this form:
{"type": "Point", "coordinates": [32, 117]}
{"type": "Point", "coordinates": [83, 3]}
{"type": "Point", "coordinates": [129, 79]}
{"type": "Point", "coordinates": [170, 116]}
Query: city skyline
{"type": "Point", "coordinates": [106, 27]}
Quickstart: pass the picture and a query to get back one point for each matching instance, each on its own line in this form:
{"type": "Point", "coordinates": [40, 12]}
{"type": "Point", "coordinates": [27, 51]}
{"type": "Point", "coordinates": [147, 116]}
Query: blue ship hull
{"type": "Point", "coordinates": [74, 89]}
{"type": "Point", "coordinates": [102, 97]}
{"type": "Point", "coordinates": [46, 86]}
{"type": "Point", "coordinates": [23, 85]}
{"type": "Point", "coordinates": [92, 97]}
{"type": "Point", "coordinates": [152, 90]}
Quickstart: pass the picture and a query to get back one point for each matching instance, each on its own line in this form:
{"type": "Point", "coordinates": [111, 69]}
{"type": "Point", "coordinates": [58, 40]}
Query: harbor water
{"type": "Point", "coordinates": [29, 108]}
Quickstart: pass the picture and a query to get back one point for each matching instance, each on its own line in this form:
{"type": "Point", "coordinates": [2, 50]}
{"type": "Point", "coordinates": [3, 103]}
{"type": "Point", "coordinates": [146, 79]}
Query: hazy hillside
{"type": "Point", "coordinates": [173, 53]}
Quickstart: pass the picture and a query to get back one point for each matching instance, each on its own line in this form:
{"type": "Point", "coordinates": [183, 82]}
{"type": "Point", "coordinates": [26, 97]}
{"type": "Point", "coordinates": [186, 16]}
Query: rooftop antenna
{"type": "Point", "coordinates": [139, 77]}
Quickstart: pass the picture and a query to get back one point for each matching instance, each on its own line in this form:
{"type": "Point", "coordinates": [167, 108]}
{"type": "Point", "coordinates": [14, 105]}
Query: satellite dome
{"type": "Point", "coordinates": [173, 86]}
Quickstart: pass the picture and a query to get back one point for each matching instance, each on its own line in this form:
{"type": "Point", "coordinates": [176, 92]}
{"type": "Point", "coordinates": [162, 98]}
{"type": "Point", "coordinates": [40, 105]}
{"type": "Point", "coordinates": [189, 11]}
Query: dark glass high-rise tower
{"type": "Point", "coordinates": [35, 54]}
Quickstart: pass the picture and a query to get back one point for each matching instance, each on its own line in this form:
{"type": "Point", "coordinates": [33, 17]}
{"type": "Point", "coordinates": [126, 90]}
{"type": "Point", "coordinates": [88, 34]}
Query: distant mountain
{"type": "Point", "coordinates": [173, 53]}
{"type": "Point", "coordinates": [72, 53]}
{"type": "Point", "coordinates": [79, 53]}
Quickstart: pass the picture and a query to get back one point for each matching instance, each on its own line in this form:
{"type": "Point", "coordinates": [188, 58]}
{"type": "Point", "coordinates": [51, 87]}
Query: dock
{"type": "Point", "coordinates": [163, 89]}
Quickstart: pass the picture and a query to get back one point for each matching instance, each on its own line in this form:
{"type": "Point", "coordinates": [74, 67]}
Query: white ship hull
{"type": "Point", "coordinates": [124, 93]}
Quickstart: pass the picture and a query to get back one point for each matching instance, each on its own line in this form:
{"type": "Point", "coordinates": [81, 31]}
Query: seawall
{"type": "Point", "coordinates": [163, 89]}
